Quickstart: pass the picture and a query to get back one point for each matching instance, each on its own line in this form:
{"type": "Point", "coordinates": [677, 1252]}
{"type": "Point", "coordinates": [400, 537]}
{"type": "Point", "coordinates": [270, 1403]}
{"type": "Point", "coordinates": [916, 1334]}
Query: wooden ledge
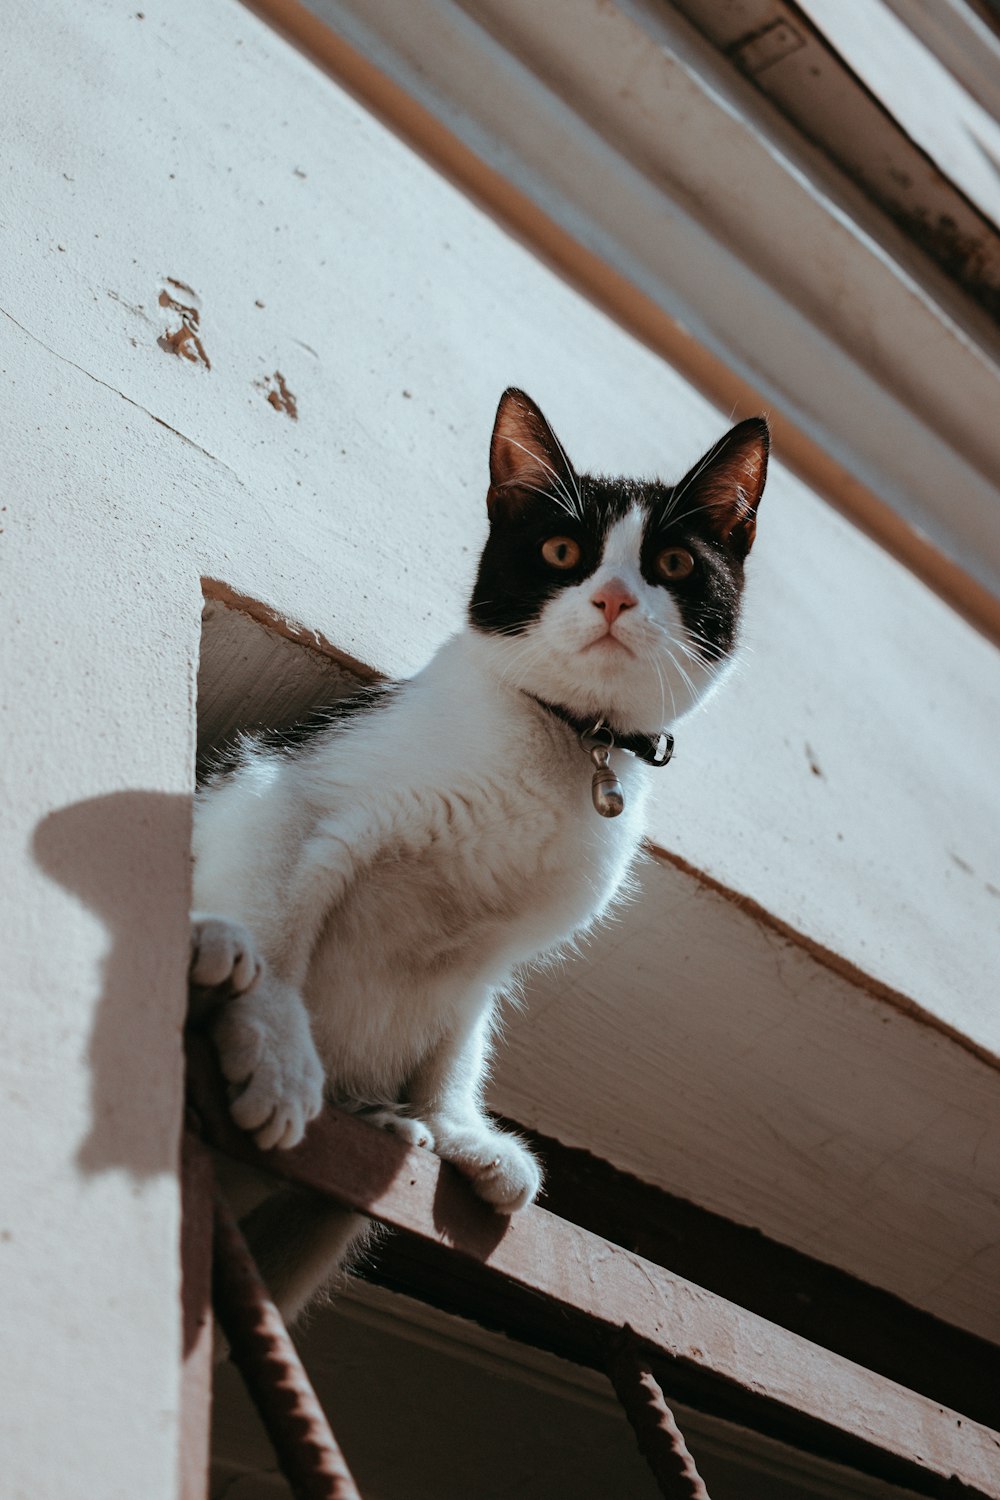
{"type": "Point", "coordinates": [564, 1288]}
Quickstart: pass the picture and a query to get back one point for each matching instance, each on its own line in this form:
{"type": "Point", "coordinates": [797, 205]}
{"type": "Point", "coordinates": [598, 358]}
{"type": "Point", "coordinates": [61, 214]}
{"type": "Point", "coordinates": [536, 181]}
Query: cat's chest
{"type": "Point", "coordinates": [535, 843]}
{"type": "Point", "coordinates": [497, 862]}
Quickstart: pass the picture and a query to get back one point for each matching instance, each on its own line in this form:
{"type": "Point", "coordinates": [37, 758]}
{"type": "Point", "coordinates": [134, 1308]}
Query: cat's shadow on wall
{"type": "Point", "coordinates": [125, 857]}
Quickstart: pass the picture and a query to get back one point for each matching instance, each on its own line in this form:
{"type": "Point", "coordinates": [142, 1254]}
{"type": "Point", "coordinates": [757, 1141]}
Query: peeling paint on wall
{"type": "Point", "coordinates": [276, 392]}
{"type": "Point", "coordinates": [184, 340]}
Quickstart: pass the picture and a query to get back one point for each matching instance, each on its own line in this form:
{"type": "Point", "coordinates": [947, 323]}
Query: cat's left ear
{"type": "Point", "coordinates": [726, 485]}
{"type": "Point", "coordinates": [526, 457]}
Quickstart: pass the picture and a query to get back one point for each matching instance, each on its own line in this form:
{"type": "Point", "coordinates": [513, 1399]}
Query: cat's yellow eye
{"type": "Point", "coordinates": [561, 552]}
{"type": "Point", "coordinates": [674, 563]}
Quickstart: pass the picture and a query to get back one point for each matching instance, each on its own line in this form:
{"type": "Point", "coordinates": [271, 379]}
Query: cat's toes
{"type": "Point", "coordinates": [500, 1169]}
{"type": "Point", "coordinates": [224, 957]}
{"type": "Point", "coordinates": [511, 1179]}
{"type": "Point", "coordinates": [413, 1132]}
{"type": "Point", "coordinates": [276, 1081]}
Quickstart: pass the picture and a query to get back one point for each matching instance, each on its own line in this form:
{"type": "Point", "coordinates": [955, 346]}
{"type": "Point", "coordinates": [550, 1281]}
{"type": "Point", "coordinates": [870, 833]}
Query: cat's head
{"type": "Point", "coordinates": [616, 597]}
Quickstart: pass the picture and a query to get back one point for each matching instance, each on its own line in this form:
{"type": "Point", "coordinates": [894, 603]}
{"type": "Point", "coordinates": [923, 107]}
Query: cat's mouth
{"type": "Point", "coordinates": [608, 642]}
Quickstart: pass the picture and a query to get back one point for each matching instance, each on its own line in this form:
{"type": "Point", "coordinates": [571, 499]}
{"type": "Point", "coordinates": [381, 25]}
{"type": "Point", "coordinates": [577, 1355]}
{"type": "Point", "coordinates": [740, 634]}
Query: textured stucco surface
{"type": "Point", "coordinates": [184, 152]}
{"type": "Point", "coordinates": [396, 312]}
{"type": "Point", "coordinates": [99, 641]}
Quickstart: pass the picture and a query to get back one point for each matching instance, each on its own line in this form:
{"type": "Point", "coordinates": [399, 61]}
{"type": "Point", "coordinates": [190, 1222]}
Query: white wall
{"type": "Point", "coordinates": [188, 142]}
{"type": "Point", "coordinates": [100, 635]}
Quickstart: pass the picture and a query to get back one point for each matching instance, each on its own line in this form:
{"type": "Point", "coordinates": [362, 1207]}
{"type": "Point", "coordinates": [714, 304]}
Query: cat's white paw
{"type": "Point", "coordinates": [413, 1132]}
{"type": "Point", "coordinates": [224, 956]}
{"type": "Point", "coordinates": [500, 1168]}
{"type": "Point", "coordinates": [267, 1053]}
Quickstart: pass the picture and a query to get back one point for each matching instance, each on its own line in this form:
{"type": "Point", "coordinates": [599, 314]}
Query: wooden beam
{"type": "Point", "coordinates": [709, 1351]}
{"type": "Point", "coordinates": [824, 1304]}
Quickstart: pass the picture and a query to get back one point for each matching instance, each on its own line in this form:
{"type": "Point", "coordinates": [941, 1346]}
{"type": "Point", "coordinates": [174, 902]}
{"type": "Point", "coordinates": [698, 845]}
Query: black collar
{"type": "Point", "coordinates": [654, 749]}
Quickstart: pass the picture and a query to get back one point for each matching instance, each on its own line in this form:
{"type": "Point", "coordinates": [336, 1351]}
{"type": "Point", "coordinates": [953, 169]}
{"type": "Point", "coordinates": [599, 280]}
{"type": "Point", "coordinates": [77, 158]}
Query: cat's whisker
{"type": "Point", "coordinates": [572, 474]}
{"type": "Point", "coordinates": [557, 500]}
{"type": "Point", "coordinates": [673, 700]}
{"type": "Point", "coordinates": [691, 655]}
{"type": "Point", "coordinates": [527, 654]}
{"type": "Point", "coordinates": [746, 648]}
{"type": "Point", "coordinates": [663, 685]}
{"type": "Point", "coordinates": [650, 656]}
{"type": "Point", "coordinates": [700, 639]}
{"type": "Point", "coordinates": [681, 671]}
{"type": "Point", "coordinates": [711, 653]}
{"type": "Point", "coordinates": [686, 483]}
{"type": "Point", "coordinates": [673, 520]}
{"type": "Point", "coordinates": [702, 652]}
{"type": "Point", "coordinates": [713, 648]}
{"type": "Point", "coordinates": [571, 506]}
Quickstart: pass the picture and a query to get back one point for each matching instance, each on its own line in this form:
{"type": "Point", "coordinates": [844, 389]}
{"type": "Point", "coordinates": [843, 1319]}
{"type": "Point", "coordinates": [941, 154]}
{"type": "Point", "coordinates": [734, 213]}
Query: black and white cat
{"type": "Point", "coordinates": [373, 883]}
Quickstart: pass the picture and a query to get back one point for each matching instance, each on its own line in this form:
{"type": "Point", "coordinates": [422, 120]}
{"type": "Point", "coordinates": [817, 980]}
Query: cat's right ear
{"type": "Point", "coordinates": [526, 457]}
{"type": "Point", "coordinates": [724, 488]}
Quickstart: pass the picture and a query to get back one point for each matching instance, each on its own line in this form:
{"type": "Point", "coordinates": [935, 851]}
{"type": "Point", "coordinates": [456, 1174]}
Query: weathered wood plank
{"type": "Point", "coordinates": [774, 1378]}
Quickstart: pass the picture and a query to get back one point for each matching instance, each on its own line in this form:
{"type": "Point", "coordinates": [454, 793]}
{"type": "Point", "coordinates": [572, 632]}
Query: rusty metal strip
{"type": "Point", "coordinates": [660, 1440]}
{"type": "Point", "coordinates": [197, 1186]}
{"type": "Point", "coordinates": [721, 1356]}
{"type": "Point", "coordinates": [307, 1451]}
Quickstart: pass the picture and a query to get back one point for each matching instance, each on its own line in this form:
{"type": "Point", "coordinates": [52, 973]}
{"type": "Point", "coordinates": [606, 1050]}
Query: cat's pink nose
{"type": "Point", "coordinates": [613, 598]}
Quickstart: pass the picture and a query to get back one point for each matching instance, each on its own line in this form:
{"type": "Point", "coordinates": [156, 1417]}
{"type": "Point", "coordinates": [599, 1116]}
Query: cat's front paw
{"type": "Point", "coordinates": [224, 960]}
{"type": "Point", "coordinates": [500, 1168]}
{"type": "Point", "coordinates": [267, 1053]}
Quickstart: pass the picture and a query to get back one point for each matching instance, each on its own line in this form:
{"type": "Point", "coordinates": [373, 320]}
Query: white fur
{"type": "Point", "coordinates": [396, 873]}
